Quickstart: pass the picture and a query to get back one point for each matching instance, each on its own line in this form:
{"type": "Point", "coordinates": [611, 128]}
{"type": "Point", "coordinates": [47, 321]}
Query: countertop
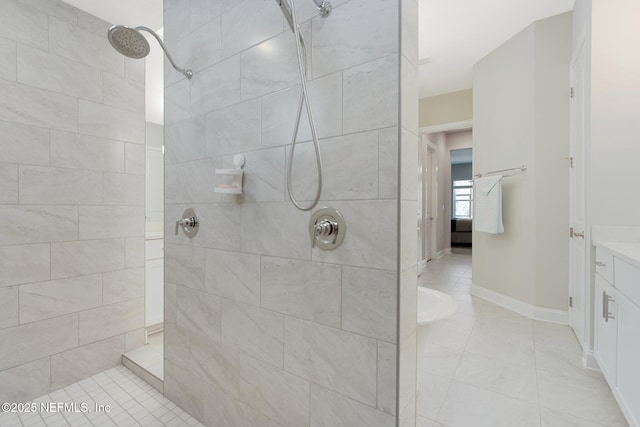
{"type": "Point", "coordinates": [627, 251]}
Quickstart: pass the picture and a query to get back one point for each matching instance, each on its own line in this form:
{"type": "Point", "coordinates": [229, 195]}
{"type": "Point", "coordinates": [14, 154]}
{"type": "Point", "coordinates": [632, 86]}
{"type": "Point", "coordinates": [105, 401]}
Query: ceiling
{"type": "Point", "coordinates": [455, 34]}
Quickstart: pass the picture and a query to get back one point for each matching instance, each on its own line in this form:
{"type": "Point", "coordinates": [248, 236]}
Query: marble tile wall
{"type": "Point", "coordinates": [71, 199]}
{"type": "Point", "coordinates": [408, 199]}
{"type": "Point", "coordinates": [261, 329]}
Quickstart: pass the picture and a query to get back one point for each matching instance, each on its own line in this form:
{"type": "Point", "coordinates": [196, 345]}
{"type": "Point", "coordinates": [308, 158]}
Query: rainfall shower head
{"type": "Point", "coordinates": [131, 43]}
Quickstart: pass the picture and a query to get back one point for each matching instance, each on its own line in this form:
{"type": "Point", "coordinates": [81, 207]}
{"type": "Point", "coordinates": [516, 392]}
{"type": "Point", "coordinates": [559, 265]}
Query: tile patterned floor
{"type": "Point", "coordinates": [133, 403]}
{"type": "Point", "coordinates": [489, 367]}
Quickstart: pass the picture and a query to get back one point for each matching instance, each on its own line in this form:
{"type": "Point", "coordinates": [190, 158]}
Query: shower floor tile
{"type": "Point", "coordinates": [132, 402]}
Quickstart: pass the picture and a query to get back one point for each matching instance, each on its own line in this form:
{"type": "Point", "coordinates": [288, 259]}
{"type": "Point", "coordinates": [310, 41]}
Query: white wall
{"type": "Point", "coordinates": [615, 107]}
{"type": "Point", "coordinates": [521, 117]}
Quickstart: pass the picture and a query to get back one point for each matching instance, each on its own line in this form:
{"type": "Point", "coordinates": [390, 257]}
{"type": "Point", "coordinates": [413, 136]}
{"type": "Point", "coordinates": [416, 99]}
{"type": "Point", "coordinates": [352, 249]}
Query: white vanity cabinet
{"type": "Point", "coordinates": [617, 322]}
{"type": "Point", "coordinates": [606, 334]}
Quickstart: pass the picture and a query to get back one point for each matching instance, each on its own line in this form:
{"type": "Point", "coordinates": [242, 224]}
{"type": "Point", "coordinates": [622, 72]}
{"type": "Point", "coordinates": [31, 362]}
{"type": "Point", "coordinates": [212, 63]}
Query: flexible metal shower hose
{"type": "Point", "coordinates": [304, 98]}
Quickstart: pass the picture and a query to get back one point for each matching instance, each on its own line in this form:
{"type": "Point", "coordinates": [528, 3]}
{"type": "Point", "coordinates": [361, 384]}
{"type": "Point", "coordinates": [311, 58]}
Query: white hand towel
{"type": "Point", "coordinates": [487, 214]}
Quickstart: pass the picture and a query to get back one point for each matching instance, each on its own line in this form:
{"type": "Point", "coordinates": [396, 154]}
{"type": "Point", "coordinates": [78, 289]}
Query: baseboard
{"type": "Point", "coordinates": [589, 360]}
{"type": "Point", "coordinates": [422, 267]}
{"type": "Point", "coordinates": [520, 307]}
{"type": "Point", "coordinates": [443, 252]}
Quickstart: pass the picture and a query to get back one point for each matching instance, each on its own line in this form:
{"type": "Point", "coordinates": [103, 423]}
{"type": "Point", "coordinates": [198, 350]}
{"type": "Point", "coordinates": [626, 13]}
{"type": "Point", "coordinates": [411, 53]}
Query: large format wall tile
{"type": "Point", "coordinates": [24, 264]}
{"type": "Point", "coordinates": [193, 180]}
{"type": "Point", "coordinates": [199, 312]}
{"type": "Point", "coordinates": [369, 242]}
{"type": "Point", "coordinates": [247, 24]}
{"type": "Point", "coordinates": [233, 275]}
{"type": "Point", "coordinates": [269, 66]}
{"type": "Point", "coordinates": [201, 48]}
{"type": "Point", "coordinates": [104, 222]}
{"type": "Point", "coordinates": [74, 365]}
{"type": "Point", "coordinates": [217, 363]}
{"type": "Point", "coordinates": [366, 109]}
{"type": "Point", "coordinates": [53, 186]}
{"type": "Point", "coordinates": [24, 24]}
{"type": "Point", "coordinates": [278, 395]}
{"type": "Point", "coordinates": [276, 230]}
{"type": "Point", "coordinates": [123, 189]}
{"type": "Point", "coordinates": [184, 388]}
{"type": "Point", "coordinates": [61, 76]}
{"type": "Point", "coordinates": [21, 383]}
{"type": "Point", "coordinates": [50, 299]}
{"type": "Point", "coordinates": [83, 46]}
{"type": "Point", "coordinates": [263, 179]}
{"type": "Point", "coordinates": [57, 8]}
{"type": "Point", "coordinates": [70, 112]}
{"type": "Point", "coordinates": [124, 317]}
{"type": "Point", "coordinates": [75, 151]}
{"type": "Point", "coordinates": [342, 361]}
{"type": "Point", "coordinates": [9, 306]}
{"type": "Point", "coordinates": [234, 129]}
{"type": "Point", "coordinates": [216, 87]}
{"type": "Point", "coordinates": [369, 302]}
{"type": "Point", "coordinates": [387, 356]}
{"type": "Point", "coordinates": [69, 259]}
{"type": "Point", "coordinates": [8, 53]}
{"type": "Point", "coordinates": [279, 112]}
{"type": "Point", "coordinates": [254, 331]}
{"type": "Point", "coordinates": [37, 107]}
{"type": "Point", "coordinates": [329, 409]}
{"type": "Point", "coordinates": [358, 32]}
{"type": "Point", "coordinates": [123, 285]}
{"type": "Point", "coordinates": [24, 144]}
{"type": "Point", "coordinates": [109, 122]}
{"type": "Point", "coordinates": [37, 224]}
{"type": "Point", "coordinates": [185, 140]}
{"type": "Point", "coordinates": [388, 163]}
{"type": "Point", "coordinates": [8, 184]}
{"type": "Point", "coordinates": [185, 265]}
{"type": "Point", "coordinates": [33, 341]}
{"type": "Point", "coordinates": [350, 168]}
{"type": "Point", "coordinates": [123, 93]}
{"type": "Point", "coordinates": [229, 412]}
{"type": "Point", "coordinates": [303, 289]}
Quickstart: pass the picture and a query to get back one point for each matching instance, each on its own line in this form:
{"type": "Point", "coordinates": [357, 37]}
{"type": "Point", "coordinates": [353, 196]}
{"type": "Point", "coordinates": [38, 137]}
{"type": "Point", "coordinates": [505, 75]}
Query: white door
{"type": "Point", "coordinates": [577, 261]}
{"type": "Point", "coordinates": [428, 201]}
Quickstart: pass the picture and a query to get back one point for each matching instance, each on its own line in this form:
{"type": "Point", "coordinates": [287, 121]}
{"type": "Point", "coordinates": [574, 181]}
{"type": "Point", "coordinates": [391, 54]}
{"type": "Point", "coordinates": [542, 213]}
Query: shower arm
{"type": "Point", "coordinates": [188, 73]}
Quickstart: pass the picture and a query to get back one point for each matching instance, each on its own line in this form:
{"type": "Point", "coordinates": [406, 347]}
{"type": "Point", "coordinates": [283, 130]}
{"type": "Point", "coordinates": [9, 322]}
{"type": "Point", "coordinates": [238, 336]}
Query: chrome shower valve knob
{"type": "Point", "coordinates": [327, 229]}
{"type": "Point", "coordinates": [189, 223]}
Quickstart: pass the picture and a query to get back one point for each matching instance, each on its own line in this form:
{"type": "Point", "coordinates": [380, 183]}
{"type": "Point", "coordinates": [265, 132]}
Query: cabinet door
{"type": "Point", "coordinates": [606, 329]}
{"type": "Point", "coordinates": [629, 355]}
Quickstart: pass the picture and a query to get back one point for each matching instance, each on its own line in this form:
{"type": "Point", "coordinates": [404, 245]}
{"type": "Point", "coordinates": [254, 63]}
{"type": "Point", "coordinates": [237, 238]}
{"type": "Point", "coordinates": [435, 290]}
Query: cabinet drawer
{"type": "Point", "coordinates": [627, 280]}
{"type": "Point", "coordinates": [604, 265]}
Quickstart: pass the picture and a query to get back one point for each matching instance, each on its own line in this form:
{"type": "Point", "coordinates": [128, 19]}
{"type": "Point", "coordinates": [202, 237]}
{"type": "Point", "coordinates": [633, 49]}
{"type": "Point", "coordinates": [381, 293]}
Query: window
{"type": "Point", "coordinates": [462, 196]}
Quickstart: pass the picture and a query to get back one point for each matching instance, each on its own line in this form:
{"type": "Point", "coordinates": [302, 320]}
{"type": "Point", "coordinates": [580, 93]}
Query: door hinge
{"type": "Point", "coordinates": [571, 163]}
{"type": "Point", "coordinates": [570, 301]}
{"type": "Point", "coordinates": [571, 92]}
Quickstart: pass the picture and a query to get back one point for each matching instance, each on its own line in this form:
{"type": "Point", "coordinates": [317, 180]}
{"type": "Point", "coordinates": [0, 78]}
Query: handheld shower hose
{"type": "Point", "coordinates": [304, 99]}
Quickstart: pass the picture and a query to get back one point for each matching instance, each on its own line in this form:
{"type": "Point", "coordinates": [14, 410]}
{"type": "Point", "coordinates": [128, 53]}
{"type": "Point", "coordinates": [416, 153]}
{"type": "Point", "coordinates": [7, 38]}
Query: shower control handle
{"type": "Point", "coordinates": [327, 229]}
{"type": "Point", "coordinates": [189, 223]}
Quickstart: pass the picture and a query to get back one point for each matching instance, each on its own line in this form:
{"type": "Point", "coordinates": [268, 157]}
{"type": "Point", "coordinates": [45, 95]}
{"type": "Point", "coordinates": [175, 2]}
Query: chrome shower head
{"type": "Point", "coordinates": [131, 43]}
{"type": "Point", "coordinates": [128, 41]}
